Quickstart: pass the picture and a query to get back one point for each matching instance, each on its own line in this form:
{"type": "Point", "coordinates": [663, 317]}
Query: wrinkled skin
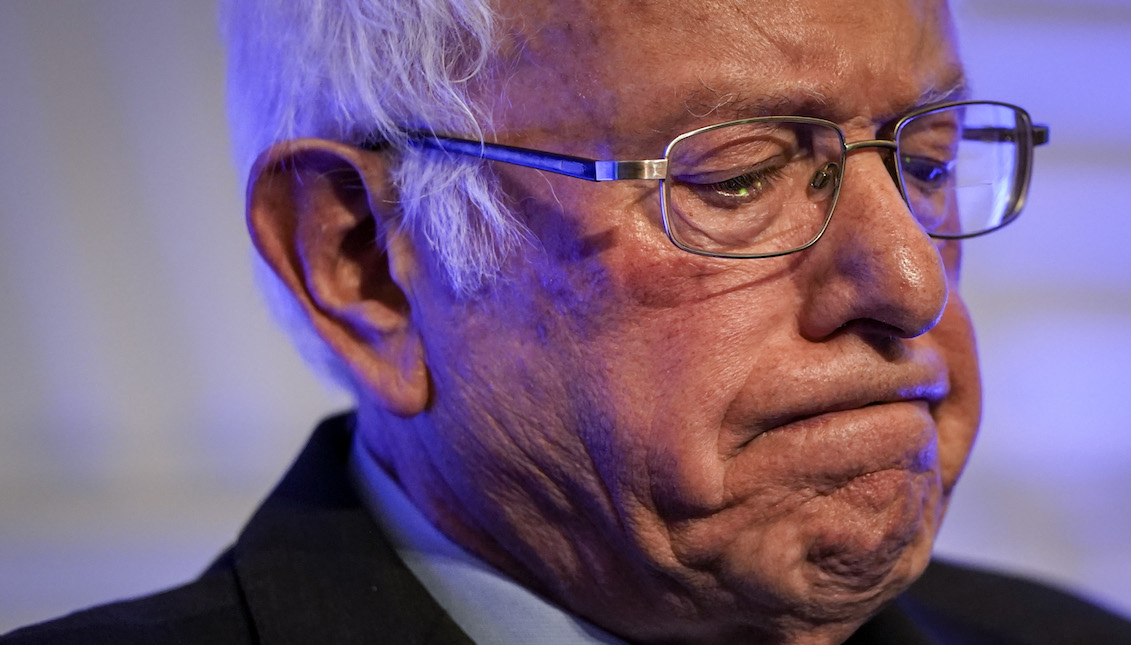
{"type": "Point", "coordinates": [679, 448]}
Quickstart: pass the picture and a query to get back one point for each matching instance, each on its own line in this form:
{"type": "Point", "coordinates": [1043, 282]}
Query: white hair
{"type": "Point", "coordinates": [358, 70]}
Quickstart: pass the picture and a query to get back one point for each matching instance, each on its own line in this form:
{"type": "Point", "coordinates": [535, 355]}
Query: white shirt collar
{"type": "Point", "coordinates": [487, 605]}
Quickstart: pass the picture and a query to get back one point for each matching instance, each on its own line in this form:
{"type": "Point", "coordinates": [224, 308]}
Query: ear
{"type": "Point", "coordinates": [322, 215]}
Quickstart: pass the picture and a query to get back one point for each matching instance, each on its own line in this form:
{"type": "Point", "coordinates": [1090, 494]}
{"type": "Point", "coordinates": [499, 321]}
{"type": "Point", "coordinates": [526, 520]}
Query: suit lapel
{"type": "Point", "coordinates": [314, 567]}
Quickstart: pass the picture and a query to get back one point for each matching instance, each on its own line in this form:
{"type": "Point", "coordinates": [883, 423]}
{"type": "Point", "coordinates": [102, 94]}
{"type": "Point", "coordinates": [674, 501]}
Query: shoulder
{"type": "Point", "coordinates": [207, 610]}
{"type": "Point", "coordinates": [1008, 609]}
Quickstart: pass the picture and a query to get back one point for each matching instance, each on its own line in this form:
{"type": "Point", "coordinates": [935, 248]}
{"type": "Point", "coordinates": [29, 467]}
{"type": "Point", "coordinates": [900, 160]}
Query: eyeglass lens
{"type": "Point", "coordinates": [961, 169]}
{"type": "Point", "coordinates": [768, 186]}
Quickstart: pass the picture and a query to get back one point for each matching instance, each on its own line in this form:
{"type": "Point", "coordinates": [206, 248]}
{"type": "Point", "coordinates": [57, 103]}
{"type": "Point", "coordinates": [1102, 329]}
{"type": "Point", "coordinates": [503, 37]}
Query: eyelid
{"type": "Point", "coordinates": [946, 168]}
{"type": "Point", "coordinates": [718, 176]}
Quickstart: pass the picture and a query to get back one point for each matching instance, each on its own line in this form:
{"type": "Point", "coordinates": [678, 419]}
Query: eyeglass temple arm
{"type": "Point", "coordinates": [579, 167]}
{"type": "Point", "coordinates": [1040, 134]}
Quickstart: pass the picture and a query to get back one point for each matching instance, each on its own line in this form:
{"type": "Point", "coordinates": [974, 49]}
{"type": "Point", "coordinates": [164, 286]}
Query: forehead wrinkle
{"type": "Point", "coordinates": [552, 67]}
{"type": "Point", "coordinates": [785, 35]}
{"type": "Point", "coordinates": [558, 50]}
{"type": "Point", "coordinates": [809, 100]}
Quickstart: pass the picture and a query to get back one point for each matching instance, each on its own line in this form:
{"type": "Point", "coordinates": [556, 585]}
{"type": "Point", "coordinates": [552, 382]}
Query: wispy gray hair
{"type": "Point", "coordinates": [355, 70]}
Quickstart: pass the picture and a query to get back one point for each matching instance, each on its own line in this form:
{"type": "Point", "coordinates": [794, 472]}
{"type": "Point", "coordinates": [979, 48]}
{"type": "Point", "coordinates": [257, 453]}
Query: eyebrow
{"type": "Point", "coordinates": [955, 90]}
{"type": "Point", "coordinates": [706, 101]}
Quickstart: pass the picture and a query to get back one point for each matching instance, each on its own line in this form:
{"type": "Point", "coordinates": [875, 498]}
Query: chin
{"type": "Point", "coordinates": [844, 585]}
{"type": "Point", "coordinates": [849, 570]}
{"type": "Point", "coordinates": [840, 557]}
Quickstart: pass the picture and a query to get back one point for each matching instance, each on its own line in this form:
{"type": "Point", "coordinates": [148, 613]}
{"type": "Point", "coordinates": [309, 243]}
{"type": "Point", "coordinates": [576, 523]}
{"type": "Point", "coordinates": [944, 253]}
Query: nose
{"type": "Point", "coordinates": [875, 266]}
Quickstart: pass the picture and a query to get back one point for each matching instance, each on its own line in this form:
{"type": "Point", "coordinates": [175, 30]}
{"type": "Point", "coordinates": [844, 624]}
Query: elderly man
{"type": "Point", "coordinates": [651, 313]}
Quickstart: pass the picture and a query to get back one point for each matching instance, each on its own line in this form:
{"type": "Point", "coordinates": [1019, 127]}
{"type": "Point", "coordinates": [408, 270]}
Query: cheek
{"type": "Point", "coordinates": [959, 415]}
{"type": "Point", "coordinates": [673, 360]}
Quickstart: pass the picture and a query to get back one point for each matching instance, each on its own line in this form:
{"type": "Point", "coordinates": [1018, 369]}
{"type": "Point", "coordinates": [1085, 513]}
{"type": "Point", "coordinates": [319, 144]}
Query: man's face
{"type": "Point", "coordinates": [683, 447]}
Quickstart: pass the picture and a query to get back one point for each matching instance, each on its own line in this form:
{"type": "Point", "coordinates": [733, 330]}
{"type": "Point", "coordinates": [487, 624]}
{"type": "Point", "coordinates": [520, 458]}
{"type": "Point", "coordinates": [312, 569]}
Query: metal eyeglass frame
{"type": "Point", "coordinates": [657, 169]}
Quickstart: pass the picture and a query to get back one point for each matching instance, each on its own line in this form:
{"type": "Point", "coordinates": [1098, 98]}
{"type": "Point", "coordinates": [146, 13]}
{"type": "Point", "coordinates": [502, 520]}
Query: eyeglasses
{"type": "Point", "coordinates": [767, 186]}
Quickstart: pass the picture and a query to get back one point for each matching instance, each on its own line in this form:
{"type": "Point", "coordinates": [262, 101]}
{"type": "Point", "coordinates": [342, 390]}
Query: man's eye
{"type": "Point", "coordinates": [740, 189]}
{"type": "Point", "coordinates": [927, 173]}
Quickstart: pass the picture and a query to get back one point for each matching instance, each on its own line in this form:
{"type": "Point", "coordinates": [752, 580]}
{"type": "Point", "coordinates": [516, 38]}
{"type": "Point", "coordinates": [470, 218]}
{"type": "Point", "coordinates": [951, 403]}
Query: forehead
{"type": "Point", "coordinates": [661, 66]}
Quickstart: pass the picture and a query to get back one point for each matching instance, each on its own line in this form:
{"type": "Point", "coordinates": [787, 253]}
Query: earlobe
{"type": "Point", "coordinates": [322, 215]}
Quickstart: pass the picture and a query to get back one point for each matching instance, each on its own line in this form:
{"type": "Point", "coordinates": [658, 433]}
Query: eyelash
{"type": "Point", "coordinates": [734, 186]}
{"type": "Point", "coordinates": [941, 171]}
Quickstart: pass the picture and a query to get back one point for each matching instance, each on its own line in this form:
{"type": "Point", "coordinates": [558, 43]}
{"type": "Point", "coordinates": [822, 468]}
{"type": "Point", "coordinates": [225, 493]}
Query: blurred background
{"type": "Point", "coordinates": [147, 403]}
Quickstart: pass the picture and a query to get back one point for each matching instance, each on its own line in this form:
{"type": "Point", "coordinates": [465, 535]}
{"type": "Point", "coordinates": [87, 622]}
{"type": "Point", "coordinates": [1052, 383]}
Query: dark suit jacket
{"type": "Point", "coordinates": [311, 567]}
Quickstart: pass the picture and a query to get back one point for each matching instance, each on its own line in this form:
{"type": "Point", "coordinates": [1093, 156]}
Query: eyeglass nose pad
{"type": "Point", "coordinates": [822, 177]}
